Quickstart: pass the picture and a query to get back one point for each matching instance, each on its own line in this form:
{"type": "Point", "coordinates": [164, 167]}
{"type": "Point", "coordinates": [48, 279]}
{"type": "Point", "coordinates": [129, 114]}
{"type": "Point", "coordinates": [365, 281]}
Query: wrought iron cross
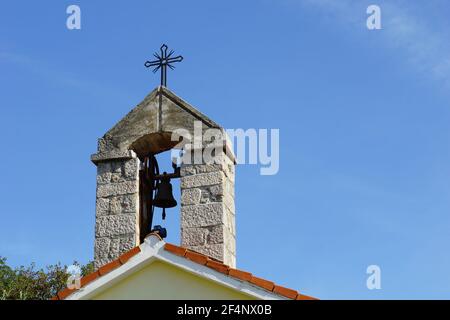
{"type": "Point", "coordinates": [163, 61]}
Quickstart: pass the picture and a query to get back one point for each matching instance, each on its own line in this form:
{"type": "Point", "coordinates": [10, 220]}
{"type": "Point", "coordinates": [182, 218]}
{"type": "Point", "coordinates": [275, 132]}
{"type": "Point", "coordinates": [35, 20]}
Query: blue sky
{"type": "Point", "coordinates": [363, 116]}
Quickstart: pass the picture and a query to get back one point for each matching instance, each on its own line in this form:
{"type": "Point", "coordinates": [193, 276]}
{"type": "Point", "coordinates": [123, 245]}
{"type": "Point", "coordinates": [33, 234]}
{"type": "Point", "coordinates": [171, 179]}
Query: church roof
{"type": "Point", "coordinates": [210, 268]}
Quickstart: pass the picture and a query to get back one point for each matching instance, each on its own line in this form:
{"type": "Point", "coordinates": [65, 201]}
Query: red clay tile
{"type": "Point", "coordinates": [128, 255]}
{"type": "Point", "coordinates": [179, 251]}
{"type": "Point", "coordinates": [245, 276]}
{"type": "Point", "coordinates": [65, 293]}
{"type": "Point", "coordinates": [218, 266]}
{"type": "Point", "coordinates": [197, 257]}
{"type": "Point", "coordinates": [268, 285]}
{"type": "Point", "coordinates": [288, 293]}
{"type": "Point", "coordinates": [89, 278]}
{"type": "Point", "coordinates": [54, 298]}
{"type": "Point", "coordinates": [109, 267]}
{"type": "Point", "coordinates": [304, 297]}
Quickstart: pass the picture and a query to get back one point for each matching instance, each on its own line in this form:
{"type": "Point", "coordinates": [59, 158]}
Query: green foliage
{"type": "Point", "coordinates": [29, 283]}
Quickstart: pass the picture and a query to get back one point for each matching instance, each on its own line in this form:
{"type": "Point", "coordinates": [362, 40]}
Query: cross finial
{"type": "Point", "coordinates": [163, 61]}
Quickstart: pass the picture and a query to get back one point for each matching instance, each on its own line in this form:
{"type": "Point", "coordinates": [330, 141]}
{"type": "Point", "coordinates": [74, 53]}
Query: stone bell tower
{"type": "Point", "coordinates": [207, 189]}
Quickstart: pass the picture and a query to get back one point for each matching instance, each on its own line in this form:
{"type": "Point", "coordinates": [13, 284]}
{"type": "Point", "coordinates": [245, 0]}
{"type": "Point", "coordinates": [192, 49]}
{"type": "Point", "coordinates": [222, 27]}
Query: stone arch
{"type": "Point", "coordinates": [154, 143]}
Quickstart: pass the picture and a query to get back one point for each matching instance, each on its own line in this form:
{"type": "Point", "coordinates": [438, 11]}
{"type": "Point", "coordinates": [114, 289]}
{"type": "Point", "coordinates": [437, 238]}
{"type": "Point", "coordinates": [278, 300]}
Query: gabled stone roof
{"type": "Point", "coordinates": [160, 113]}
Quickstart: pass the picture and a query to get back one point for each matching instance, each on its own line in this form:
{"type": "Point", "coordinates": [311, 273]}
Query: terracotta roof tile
{"type": "Point", "coordinates": [288, 293]}
{"type": "Point", "coordinates": [128, 255]}
{"type": "Point", "coordinates": [65, 293]}
{"type": "Point", "coordinates": [218, 266]}
{"type": "Point", "coordinates": [304, 297]}
{"type": "Point", "coordinates": [197, 258]}
{"type": "Point", "coordinates": [242, 275]}
{"type": "Point", "coordinates": [109, 267]}
{"type": "Point", "coordinates": [89, 278]}
{"type": "Point", "coordinates": [268, 285]}
{"type": "Point", "coordinates": [179, 251]}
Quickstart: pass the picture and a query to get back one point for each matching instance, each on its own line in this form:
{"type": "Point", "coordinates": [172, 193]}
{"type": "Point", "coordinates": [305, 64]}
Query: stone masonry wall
{"type": "Point", "coordinates": [207, 209]}
{"type": "Point", "coordinates": [117, 209]}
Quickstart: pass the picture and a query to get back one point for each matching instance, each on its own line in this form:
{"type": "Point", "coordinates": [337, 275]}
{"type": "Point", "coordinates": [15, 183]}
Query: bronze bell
{"type": "Point", "coordinates": [164, 197]}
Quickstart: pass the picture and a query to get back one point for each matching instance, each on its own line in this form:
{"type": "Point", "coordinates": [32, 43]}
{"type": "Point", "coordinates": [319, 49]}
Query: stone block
{"type": "Point", "coordinates": [190, 196]}
{"type": "Point", "coordinates": [215, 234]}
{"type": "Point", "coordinates": [187, 170]}
{"type": "Point", "coordinates": [102, 206]}
{"type": "Point", "coordinates": [212, 194]}
{"type": "Point", "coordinates": [124, 204]}
{"type": "Point", "coordinates": [107, 156]}
{"type": "Point", "coordinates": [114, 189]}
{"type": "Point", "coordinates": [115, 225]}
{"type": "Point", "coordinates": [103, 167]}
{"type": "Point", "coordinates": [104, 178]}
{"type": "Point", "coordinates": [204, 179]}
{"type": "Point", "coordinates": [131, 169]}
{"type": "Point", "coordinates": [101, 249]}
{"type": "Point", "coordinates": [193, 237]}
{"type": "Point", "coordinates": [202, 215]}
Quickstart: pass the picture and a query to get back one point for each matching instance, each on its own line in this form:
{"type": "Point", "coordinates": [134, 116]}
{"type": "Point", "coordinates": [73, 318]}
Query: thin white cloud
{"type": "Point", "coordinates": [406, 29]}
{"type": "Point", "coordinates": [426, 47]}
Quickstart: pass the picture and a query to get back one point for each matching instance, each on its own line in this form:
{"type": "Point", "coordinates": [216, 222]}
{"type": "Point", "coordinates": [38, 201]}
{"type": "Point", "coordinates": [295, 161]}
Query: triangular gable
{"type": "Point", "coordinates": [208, 279]}
{"type": "Point", "coordinates": [161, 112]}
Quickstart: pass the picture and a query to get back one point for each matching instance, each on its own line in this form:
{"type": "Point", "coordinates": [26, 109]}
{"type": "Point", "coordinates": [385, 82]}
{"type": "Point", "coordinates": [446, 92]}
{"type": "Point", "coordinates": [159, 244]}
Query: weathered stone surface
{"type": "Point", "coordinates": [228, 187]}
{"type": "Point", "coordinates": [190, 196]}
{"type": "Point", "coordinates": [207, 168]}
{"type": "Point", "coordinates": [99, 262]}
{"type": "Point", "coordinates": [215, 234]}
{"type": "Point", "coordinates": [114, 189]}
{"type": "Point", "coordinates": [229, 241]}
{"type": "Point", "coordinates": [101, 249]}
{"type": "Point", "coordinates": [187, 170]}
{"type": "Point", "coordinates": [115, 225]}
{"type": "Point", "coordinates": [229, 258]}
{"type": "Point", "coordinates": [193, 237]}
{"type": "Point", "coordinates": [208, 223]}
{"type": "Point", "coordinates": [218, 234]}
{"type": "Point", "coordinates": [229, 168]}
{"type": "Point", "coordinates": [102, 206]}
{"type": "Point", "coordinates": [230, 221]}
{"type": "Point", "coordinates": [228, 201]}
{"type": "Point", "coordinates": [104, 178]}
{"type": "Point", "coordinates": [108, 249]}
{"type": "Point", "coordinates": [117, 177]}
{"type": "Point", "coordinates": [131, 169]}
{"type": "Point", "coordinates": [115, 154]}
{"type": "Point", "coordinates": [211, 194]}
{"type": "Point", "coordinates": [192, 169]}
{"type": "Point", "coordinates": [124, 204]}
{"type": "Point", "coordinates": [204, 179]}
{"type": "Point", "coordinates": [116, 206]}
{"type": "Point", "coordinates": [116, 167]}
{"type": "Point", "coordinates": [201, 215]}
{"type": "Point", "coordinates": [116, 248]}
